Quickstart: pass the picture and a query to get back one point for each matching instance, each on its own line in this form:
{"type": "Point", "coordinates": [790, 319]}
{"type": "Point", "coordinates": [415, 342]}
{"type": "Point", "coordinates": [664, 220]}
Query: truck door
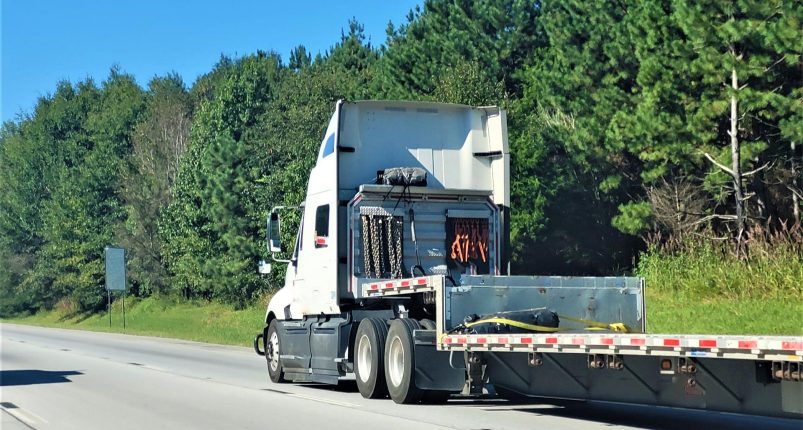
{"type": "Point", "coordinates": [316, 283]}
{"type": "Point", "coordinates": [296, 348]}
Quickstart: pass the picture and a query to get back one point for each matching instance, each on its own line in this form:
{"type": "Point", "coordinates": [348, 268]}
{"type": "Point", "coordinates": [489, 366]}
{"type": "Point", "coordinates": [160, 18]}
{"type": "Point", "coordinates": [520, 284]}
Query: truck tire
{"type": "Point", "coordinates": [369, 358]}
{"type": "Point", "coordinates": [400, 362]}
{"type": "Point", "coordinates": [272, 353]}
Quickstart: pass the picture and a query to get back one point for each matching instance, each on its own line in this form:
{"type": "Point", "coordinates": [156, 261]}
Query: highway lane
{"type": "Point", "coordinates": [67, 379]}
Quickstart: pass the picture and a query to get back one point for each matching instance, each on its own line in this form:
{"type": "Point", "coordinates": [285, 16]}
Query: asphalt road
{"type": "Point", "coordinates": [66, 379]}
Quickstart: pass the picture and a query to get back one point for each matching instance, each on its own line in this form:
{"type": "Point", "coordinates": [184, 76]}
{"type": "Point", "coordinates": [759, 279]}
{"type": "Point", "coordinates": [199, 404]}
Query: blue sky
{"type": "Point", "coordinates": [46, 41]}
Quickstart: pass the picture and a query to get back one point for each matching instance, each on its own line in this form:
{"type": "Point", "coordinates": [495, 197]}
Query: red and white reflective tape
{"type": "Point", "coordinates": [790, 348]}
{"type": "Point", "coordinates": [636, 341]}
{"type": "Point", "coordinates": [789, 345]}
{"type": "Point", "coordinates": [380, 287]}
{"type": "Point", "coordinates": [702, 343]}
{"type": "Point", "coordinates": [673, 342]}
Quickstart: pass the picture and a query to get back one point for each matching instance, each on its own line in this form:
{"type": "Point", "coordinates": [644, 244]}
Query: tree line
{"type": "Point", "coordinates": [627, 119]}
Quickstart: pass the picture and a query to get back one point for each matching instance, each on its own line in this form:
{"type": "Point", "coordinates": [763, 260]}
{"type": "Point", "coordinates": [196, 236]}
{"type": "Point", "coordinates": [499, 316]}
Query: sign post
{"type": "Point", "coordinates": [115, 276]}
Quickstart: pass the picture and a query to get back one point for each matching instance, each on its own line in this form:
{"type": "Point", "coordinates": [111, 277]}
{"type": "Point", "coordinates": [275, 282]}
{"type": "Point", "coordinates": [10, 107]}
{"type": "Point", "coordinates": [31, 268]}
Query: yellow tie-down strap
{"type": "Point", "coordinates": [590, 325]}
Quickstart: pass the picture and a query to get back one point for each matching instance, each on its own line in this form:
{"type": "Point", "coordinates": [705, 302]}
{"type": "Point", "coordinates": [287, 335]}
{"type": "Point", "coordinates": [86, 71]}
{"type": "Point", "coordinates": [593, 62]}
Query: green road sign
{"type": "Point", "coordinates": [115, 268]}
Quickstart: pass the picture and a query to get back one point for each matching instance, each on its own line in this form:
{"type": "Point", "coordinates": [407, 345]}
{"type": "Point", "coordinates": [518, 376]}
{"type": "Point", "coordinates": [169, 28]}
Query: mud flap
{"type": "Point", "coordinates": [432, 368]}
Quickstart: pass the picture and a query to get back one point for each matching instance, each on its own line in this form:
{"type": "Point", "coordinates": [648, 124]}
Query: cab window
{"type": "Point", "coordinates": [321, 226]}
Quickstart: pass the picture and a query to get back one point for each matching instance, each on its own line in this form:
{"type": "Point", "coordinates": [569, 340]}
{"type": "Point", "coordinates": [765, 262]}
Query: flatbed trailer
{"type": "Point", "coordinates": [743, 374]}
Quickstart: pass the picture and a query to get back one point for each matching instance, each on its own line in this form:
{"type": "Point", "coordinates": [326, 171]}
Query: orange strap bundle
{"type": "Point", "coordinates": [470, 240]}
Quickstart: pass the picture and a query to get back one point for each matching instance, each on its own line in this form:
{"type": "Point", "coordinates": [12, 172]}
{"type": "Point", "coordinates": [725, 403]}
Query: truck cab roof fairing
{"type": "Point", "coordinates": [460, 147]}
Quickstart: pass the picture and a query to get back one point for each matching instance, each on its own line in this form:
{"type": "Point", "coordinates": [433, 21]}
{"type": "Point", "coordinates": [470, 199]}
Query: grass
{"type": "Point", "coordinates": [700, 286]}
{"type": "Point", "coordinates": [163, 317]}
{"type": "Point", "coordinates": [671, 313]}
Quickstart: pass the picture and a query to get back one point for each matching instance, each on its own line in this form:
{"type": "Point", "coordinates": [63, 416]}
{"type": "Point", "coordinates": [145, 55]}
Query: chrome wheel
{"type": "Point", "coordinates": [395, 361]}
{"type": "Point", "coordinates": [364, 351]}
{"type": "Point", "coordinates": [273, 351]}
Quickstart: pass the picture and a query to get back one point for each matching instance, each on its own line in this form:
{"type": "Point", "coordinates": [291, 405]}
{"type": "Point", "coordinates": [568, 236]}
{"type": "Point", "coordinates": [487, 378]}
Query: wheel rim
{"type": "Point", "coordinates": [396, 361]}
{"type": "Point", "coordinates": [273, 351]}
{"type": "Point", "coordinates": [364, 351]}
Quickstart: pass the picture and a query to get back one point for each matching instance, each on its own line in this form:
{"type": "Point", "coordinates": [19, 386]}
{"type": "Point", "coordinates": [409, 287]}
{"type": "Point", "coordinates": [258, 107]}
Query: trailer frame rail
{"type": "Point", "coordinates": [782, 348]}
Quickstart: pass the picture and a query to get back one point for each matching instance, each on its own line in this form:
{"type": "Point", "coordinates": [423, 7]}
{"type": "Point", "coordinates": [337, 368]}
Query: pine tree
{"type": "Point", "coordinates": [718, 90]}
{"type": "Point", "coordinates": [495, 37]}
{"type": "Point", "coordinates": [568, 176]}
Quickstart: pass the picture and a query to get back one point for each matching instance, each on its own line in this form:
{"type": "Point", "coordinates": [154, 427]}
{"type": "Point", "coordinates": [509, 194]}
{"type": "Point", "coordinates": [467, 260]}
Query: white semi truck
{"type": "Point", "coordinates": [400, 274]}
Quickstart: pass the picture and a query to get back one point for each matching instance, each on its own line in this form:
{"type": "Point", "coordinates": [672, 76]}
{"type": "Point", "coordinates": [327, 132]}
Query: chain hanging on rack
{"type": "Point", "coordinates": [376, 247]}
{"type": "Point", "coordinates": [366, 245]}
{"type": "Point", "coordinates": [383, 247]}
{"type": "Point", "coordinates": [394, 234]}
{"type": "Point", "coordinates": [383, 243]}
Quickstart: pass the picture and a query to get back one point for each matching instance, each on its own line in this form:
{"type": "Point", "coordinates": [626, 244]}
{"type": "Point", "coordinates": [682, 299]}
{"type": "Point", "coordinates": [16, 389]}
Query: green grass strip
{"type": "Point", "coordinates": [667, 312]}
{"type": "Point", "coordinates": [203, 322]}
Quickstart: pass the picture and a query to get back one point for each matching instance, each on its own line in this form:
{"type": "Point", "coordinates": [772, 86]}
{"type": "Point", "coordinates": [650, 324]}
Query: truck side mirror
{"type": "Point", "coordinates": [274, 237]}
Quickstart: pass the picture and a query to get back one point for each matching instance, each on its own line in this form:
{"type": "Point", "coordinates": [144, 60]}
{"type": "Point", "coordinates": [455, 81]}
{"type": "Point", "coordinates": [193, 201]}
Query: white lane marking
{"type": "Point", "coordinates": [322, 400]}
{"type": "Point", "coordinates": [25, 416]}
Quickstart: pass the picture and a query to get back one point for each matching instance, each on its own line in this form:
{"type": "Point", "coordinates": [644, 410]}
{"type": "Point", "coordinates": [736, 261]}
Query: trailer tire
{"type": "Point", "coordinates": [427, 324]}
{"type": "Point", "coordinates": [272, 353]}
{"type": "Point", "coordinates": [400, 362]}
{"type": "Point", "coordinates": [369, 358]}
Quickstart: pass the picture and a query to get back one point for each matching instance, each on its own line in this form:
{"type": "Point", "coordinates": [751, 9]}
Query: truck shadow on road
{"type": "Point", "coordinates": [609, 414]}
{"type": "Point", "coordinates": [646, 417]}
{"type": "Point", "coordinates": [347, 386]}
{"type": "Point", "coordinates": [32, 377]}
